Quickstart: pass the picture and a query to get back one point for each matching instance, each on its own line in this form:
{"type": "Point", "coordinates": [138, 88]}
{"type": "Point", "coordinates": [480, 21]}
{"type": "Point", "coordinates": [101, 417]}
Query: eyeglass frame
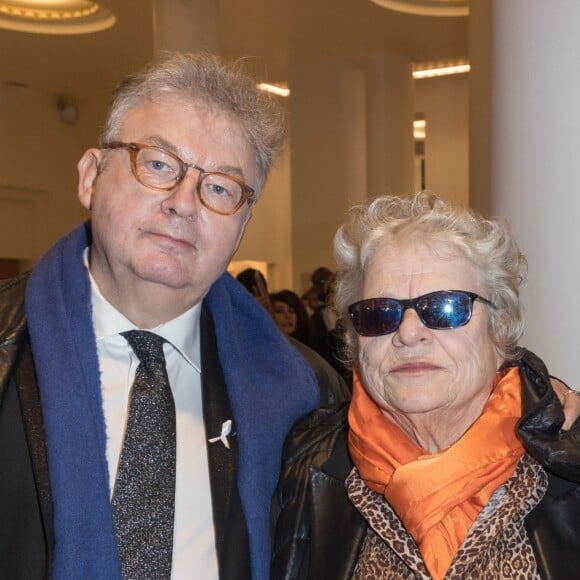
{"type": "Point", "coordinates": [412, 303]}
{"type": "Point", "coordinates": [134, 148]}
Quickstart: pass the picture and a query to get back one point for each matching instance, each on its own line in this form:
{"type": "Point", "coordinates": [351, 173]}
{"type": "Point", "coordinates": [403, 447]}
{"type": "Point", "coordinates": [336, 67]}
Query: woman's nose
{"type": "Point", "coordinates": [411, 329]}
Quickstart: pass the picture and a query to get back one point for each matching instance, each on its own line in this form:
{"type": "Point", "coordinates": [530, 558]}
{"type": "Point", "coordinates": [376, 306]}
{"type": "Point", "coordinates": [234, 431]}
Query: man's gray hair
{"type": "Point", "coordinates": [207, 81]}
{"type": "Point", "coordinates": [451, 232]}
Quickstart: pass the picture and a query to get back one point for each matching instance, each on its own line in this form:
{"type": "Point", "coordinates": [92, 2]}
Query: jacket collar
{"type": "Point", "coordinates": [12, 326]}
{"type": "Point", "coordinates": [542, 418]}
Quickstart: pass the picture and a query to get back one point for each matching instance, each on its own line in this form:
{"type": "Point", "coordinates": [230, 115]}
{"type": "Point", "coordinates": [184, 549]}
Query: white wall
{"type": "Point", "coordinates": [534, 166]}
{"type": "Point", "coordinates": [38, 157]}
{"type": "Point", "coordinates": [268, 234]}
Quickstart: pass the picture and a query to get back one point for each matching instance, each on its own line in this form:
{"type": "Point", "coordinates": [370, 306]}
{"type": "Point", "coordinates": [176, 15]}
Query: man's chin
{"type": "Point", "coordinates": [160, 274]}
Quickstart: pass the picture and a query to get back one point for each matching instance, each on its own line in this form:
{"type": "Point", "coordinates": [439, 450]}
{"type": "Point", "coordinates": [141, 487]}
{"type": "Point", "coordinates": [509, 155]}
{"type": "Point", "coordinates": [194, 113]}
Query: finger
{"type": "Point", "coordinates": [570, 400]}
{"type": "Point", "coordinates": [571, 409]}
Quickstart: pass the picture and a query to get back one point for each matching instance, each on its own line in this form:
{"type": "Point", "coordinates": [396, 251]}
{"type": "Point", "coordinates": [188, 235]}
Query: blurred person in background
{"type": "Point", "coordinates": [329, 342]}
{"type": "Point", "coordinates": [255, 283]}
{"type": "Point", "coordinates": [290, 315]}
{"type": "Point", "coordinates": [323, 317]}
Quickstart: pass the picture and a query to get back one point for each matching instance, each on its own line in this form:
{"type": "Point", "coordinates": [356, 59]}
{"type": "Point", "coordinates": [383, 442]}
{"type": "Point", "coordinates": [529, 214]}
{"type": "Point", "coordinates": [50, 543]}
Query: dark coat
{"type": "Point", "coordinates": [26, 515]}
{"type": "Point", "coordinates": [318, 533]}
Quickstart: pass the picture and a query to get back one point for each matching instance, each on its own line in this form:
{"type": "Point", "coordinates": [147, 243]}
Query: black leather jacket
{"type": "Point", "coordinates": [26, 516]}
{"type": "Point", "coordinates": [318, 534]}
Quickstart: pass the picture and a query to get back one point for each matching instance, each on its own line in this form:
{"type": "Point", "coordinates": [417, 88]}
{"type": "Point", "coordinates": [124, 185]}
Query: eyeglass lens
{"type": "Point", "coordinates": [436, 310]}
{"type": "Point", "coordinates": [158, 169]}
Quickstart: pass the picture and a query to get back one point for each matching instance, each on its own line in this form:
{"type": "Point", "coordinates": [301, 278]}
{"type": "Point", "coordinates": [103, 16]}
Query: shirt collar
{"type": "Point", "coordinates": [182, 332]}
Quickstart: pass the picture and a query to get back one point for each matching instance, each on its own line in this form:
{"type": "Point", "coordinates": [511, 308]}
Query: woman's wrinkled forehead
{"type": "Point", "coordinates": [402, 255]}
{"type": "Point", "coordinates": [442, 244]}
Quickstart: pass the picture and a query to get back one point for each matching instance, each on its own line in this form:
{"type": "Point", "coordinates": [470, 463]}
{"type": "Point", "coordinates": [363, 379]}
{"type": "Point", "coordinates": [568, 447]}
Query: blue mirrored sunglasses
{"type": "Point", "coordinates": [438, 310]}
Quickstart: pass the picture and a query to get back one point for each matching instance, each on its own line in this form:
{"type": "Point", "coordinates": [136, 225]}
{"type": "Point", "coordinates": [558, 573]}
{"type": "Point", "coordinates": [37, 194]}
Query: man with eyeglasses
{"type": "Point", "coordinates": [145, 395]}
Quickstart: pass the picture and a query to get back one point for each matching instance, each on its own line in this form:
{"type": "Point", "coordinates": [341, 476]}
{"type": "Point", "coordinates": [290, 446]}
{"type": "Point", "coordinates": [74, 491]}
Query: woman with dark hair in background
{"type": "Point", "coordinates": [291, 317]}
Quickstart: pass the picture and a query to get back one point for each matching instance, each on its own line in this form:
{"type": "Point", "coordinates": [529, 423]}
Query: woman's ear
{"type": "Point", "coordinates": [88, 170]}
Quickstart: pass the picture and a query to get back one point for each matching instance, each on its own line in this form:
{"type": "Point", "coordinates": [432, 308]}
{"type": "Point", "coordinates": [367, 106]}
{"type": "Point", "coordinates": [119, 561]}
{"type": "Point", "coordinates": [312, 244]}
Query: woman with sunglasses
{"type": "Point", "coordinates": [450, 461]}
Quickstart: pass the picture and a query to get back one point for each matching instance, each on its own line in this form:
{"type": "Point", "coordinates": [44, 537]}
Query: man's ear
{"type": "Point", "coordinates": [88, 169]}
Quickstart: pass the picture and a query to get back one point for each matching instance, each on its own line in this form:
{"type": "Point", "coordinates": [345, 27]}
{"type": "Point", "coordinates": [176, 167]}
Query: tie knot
{"type": "Point", "coordinates": [148, 346]}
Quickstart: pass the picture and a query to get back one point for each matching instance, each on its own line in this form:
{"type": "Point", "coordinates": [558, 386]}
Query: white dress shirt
{"type": "Point", "coordinates": [194, 551]}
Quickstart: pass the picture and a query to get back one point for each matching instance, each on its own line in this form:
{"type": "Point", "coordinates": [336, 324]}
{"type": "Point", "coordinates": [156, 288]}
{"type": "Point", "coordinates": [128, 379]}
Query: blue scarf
{"type": "Point", "coordinates": [261, 370]}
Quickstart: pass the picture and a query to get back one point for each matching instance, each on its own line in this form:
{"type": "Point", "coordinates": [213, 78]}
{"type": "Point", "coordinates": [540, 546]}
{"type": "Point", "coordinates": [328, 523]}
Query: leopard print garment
{"type": "Point", "coordinates": [496, 546]}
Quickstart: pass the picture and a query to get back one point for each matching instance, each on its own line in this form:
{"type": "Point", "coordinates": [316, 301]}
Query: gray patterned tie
{"type": "Point", "coordinates": [144, 495]}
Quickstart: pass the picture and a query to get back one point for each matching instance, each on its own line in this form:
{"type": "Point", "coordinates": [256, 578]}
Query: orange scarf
{"type": "Point", "coordinates": [438, 495]}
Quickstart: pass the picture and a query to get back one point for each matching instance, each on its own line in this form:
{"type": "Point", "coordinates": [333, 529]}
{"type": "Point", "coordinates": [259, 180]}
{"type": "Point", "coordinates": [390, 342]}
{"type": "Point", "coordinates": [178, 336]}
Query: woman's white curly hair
{"type": "Point", "coordinates": [451, 232]}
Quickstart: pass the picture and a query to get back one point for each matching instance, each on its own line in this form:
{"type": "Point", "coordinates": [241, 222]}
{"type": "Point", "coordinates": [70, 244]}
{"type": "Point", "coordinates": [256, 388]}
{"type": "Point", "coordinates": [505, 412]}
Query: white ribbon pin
{"type": "Point", "coordinates": [223, 437]}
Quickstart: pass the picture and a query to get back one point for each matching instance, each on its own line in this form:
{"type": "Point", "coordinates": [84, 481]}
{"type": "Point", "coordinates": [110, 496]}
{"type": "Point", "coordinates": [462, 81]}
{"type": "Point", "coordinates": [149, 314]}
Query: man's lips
{"type": "Point", "coordinates": [171, 239]}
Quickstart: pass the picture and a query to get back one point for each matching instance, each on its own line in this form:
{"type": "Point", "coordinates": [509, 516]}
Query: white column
{"type": "Point", "coordinates": [390, 147]}
{"type": "Point", "coordinates": [185, 25]}
{"type": "Point", "coordinates": [480, 57]}
{"type": "Point", "coordinates": [327, 112]}
{"type": "Point", "coordinates": [535, 163]}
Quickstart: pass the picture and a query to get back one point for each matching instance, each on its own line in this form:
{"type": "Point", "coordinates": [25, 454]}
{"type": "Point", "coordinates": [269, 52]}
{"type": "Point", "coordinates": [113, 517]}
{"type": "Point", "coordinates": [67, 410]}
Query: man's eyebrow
{"type": "Point", "coordinates": [230, 170]}
{"type": "Point", "coordinates": [159, 141]}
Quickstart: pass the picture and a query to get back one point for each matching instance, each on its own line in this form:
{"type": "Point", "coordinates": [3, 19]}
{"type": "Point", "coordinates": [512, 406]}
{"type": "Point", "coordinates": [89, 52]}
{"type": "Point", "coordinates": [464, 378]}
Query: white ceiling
{"type": "Point", "coordinates": [285, 33]}
{"type": "Point", "coordinates": [279, 33]}
{"type": "Point", "coordinates": [79, 64]}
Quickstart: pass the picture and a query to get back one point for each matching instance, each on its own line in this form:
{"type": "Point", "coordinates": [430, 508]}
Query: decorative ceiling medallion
{"type": "Point", "coordinates": [427, 7]}
{"type": "Point", "coordinates": [54, 16]}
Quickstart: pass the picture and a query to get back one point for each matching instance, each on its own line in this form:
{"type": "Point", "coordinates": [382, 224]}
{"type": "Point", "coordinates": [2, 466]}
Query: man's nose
{"type": "Point", "coordinates": [183, 200]}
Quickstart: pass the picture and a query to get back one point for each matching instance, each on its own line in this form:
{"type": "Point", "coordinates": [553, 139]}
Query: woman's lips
{"type": "Point", "coordinates": [414, 367]}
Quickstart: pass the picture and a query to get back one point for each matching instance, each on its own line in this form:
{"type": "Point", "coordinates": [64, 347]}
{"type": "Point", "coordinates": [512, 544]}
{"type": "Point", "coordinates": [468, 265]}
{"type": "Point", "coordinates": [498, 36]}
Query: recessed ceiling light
{"type": "Point", "coordinates": [428, 71]}
{"type": "Point", "coordinates": [280, 89]}
{"type": "Point", "coordinates": [427, 7]}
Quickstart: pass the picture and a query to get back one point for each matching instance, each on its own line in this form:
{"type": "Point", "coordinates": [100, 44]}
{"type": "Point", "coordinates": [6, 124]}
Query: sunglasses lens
{"type": "Point", "coordinates": [445, 309]}
{"type": "Point", "coordinates": [376, 316]}
{"type": "Point", "coordinates": [437, 310]}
